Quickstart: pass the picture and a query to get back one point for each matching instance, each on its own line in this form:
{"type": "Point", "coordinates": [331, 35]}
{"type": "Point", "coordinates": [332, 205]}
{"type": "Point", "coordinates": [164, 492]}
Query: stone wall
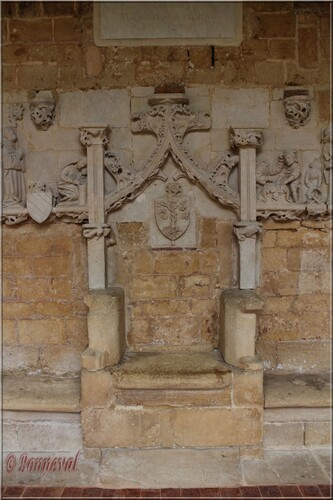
{"type": "Point", "coordinates": [173, 294]}
{"type": "Point", "coordinates": [49, 46]}
{"type": "Point", "coordinates": [44, 281]}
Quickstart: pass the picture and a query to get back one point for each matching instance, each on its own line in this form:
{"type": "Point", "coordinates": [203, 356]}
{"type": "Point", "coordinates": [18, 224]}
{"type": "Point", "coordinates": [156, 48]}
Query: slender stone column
{"type": "Point", "coordinates": [94, 137]}
{"type": "Point", "coordinates": [247, 229]}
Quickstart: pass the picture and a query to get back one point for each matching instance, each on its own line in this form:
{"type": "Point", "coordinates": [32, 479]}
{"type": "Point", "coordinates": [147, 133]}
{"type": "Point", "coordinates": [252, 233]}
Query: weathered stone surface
{"type": "Point", "coordinates": [95, 388]}
{"type": "Point", "coordinates": [308, 48]}
{"type": "Point", "coordinates": [238, 324]}
{"type": "Point", "coordinates": [284, 467]}
{"type": "Point", "coordinates": [306, 390]}
{"type": "Point", "coordinates": [248, 388]}
{"type": "Point", "coordinates": [172, 371]}
{"type": "Point", "coordinates": [318, 434]}
{"type": "Point", "coordinates": [283, 435]}
{"type": "Point", "coordinates": [218, 427]}
{"type": "Point", "coordinates": [169, 468]}
{"type": "Point", "coordinates": [41, 393]}
{"type": "Point", "coordinates": [154, 287]}
{"type": "Point", "coordinates": [106, 327]}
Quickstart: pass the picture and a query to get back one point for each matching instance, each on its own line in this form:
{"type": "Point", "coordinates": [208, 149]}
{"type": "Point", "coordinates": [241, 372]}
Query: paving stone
{"type": "Point", "coordinates": [324, 456]}
{"type": "Point", "coordinates": [170, 468]}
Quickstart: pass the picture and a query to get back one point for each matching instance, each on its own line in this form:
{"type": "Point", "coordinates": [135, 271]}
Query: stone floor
{"type": "Point", "coordinates": [182, 472]}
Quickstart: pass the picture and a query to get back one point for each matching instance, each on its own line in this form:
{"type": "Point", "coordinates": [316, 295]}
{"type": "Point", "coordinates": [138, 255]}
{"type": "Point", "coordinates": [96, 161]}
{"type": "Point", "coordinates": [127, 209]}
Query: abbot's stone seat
{"type": "Point", "coordinates": [172, 370]}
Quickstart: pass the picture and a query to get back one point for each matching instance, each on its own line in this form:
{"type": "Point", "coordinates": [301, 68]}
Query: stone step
{"type": "Point", "coordinates": [297, 390]}
{"type": "Point", "coordinates": [41, 392]}
{"type": "Point", "coordinates": [176, 370]}
{"type": "Point", "coordinates": [297, 428]}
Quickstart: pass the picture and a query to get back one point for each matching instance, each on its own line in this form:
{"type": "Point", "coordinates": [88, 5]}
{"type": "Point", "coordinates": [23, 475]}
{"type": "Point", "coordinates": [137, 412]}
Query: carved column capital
{"type": "Point", "coordinates": [246, 137]}
{"type": "Point", "coordinates": [98, 231]}
{"type": "Point", "coordinates": [247, 229]}
{"type": "Point", "coordinates": [93, 135]}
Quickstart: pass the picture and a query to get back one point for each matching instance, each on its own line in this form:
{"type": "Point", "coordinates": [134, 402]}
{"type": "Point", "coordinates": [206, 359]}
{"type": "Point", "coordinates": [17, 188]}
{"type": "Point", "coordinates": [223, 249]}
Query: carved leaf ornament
{"type": "Point", "coordinates": [169, 120]}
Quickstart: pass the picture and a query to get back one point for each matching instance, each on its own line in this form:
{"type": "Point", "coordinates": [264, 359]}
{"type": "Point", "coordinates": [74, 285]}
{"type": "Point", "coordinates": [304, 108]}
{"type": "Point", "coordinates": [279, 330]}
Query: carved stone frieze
{"type": "Point", "coordinates": [13, 166]}
{"type": "Point", "coordinates": [247, 229]}
{"type": "Point", "coordinates": [246, 137]}
{"type": "Point", "coordinates": [280, 181]}
{"type": "Point", "coordinates": [297, 108]}
{"type": "Point", "coordinates": [42, 110]}
{"type": "Point", "coordinates": [72, 184]}
{"type": "Point", "coordinates": [172, 213]}
{"type": "Point", "coordinates": [15, 113]}
{"type": "Point", "coordinates": [98, 231]}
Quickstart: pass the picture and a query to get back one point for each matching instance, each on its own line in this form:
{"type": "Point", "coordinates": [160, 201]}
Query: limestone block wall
{"type": "Point", "coordinates": [173, 295]}
{"type": "Point", "coordinates": [44, 281]}
{"type": "Point", "coordinates": [49, 46]}
{"type": "Point", "coordinates": [294, 327]}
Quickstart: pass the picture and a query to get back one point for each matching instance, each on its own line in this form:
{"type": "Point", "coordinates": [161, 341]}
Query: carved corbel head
{"type": "Point", "coordinates": [297, 107]}
{"type": "Point", "coordinates": [42, 110]}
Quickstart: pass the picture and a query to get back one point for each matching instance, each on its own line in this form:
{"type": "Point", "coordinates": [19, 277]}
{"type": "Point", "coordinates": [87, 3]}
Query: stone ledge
{"type": "Point", "coordinates": [41, 393]}
{"type": "Point", "coordinates": [297, 390]}
{"type": "Point", "coordinates": [176, 370]}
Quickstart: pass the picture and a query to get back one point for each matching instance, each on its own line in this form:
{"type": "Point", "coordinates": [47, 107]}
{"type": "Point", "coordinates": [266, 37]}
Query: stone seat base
{"type": "Point", "coordinates": [172, 371]}
{"type": "Point", "coordinates": [173, 399]}
{"type": "Point", "coordinates": [41, 392]}
{"type": "Point", "coordinates": [297, 390]}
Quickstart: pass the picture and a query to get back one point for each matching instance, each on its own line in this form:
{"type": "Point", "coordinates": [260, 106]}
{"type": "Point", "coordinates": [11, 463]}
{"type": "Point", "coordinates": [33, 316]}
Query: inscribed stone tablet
{"type": "Point", "coordinates": [167, 23]}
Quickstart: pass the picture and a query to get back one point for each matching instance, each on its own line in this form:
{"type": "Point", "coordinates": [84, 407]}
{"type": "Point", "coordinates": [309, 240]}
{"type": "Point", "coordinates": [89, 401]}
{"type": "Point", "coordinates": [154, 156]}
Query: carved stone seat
{"type": "Point", "coordinates": [172, 370]}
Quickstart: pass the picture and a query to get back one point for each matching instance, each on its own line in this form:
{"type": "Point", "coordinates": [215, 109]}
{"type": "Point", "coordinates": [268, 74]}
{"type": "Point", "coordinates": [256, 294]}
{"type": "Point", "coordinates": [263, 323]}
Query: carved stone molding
{"type": "Point", "coordinates": [98, 231]}
{"type": "Point", "coordinates": [42, 110]}
{"type": "Point", "coordinates": [12, 219]}
{"type": "Point", "coordinates": [94, 135]}
{"type": "Point", "coordinates": [169, 120]}
{"type": "Point", "coordinates": [297, 107]}
{"type": "Point", "coordinates": [241, 137]}
{"type": "Point", "coordinates": [247, 229]}
{"type": "Point", "coordinates": [15, 113]}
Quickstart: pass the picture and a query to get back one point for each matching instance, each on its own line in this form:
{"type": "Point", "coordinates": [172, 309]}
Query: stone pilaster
{"type": "Point", "coordinates": [94, 137]}
{"type": "Point", "coordinates": [247, 230]}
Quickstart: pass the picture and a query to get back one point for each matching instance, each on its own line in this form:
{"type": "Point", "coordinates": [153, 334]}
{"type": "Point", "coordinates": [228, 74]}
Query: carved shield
{"type": "Point", "coordinates": [172, 216]}
{"type": "Point", "coordinates": [39, 205]}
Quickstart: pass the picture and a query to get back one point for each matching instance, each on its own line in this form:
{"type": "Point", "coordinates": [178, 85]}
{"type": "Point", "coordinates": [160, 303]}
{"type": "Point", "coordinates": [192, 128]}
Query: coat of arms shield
{"type": "Point", "coordinates": [172, 213]}
{"type": "Point", "coordinates": [39, 205]}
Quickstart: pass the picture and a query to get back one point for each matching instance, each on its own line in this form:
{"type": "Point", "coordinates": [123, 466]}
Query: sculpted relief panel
{"type": "Point", "coordinates": [289, 183]}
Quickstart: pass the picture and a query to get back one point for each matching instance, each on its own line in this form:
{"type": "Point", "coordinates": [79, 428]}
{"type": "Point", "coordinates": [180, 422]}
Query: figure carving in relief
{"type": "Point", "coordinates": [173, 212]}
{"type": "Point", "coordinates": [313, 181]}
{"type": "Point", "coordinates": [14, 189]}
{"type": "Point", "coordinates": [326, 140]}
{"type": "Point", "coordinates": [280, 181]}
{"type": "Point", "coordinates": [121, 175]}
{"type": "Point", "coordinates": [72, 183]}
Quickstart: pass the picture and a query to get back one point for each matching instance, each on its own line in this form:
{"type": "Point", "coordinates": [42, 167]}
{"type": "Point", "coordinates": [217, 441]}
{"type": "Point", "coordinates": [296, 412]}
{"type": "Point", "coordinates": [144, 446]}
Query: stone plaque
{"type": "Point", "coordinates": [167, 23]}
